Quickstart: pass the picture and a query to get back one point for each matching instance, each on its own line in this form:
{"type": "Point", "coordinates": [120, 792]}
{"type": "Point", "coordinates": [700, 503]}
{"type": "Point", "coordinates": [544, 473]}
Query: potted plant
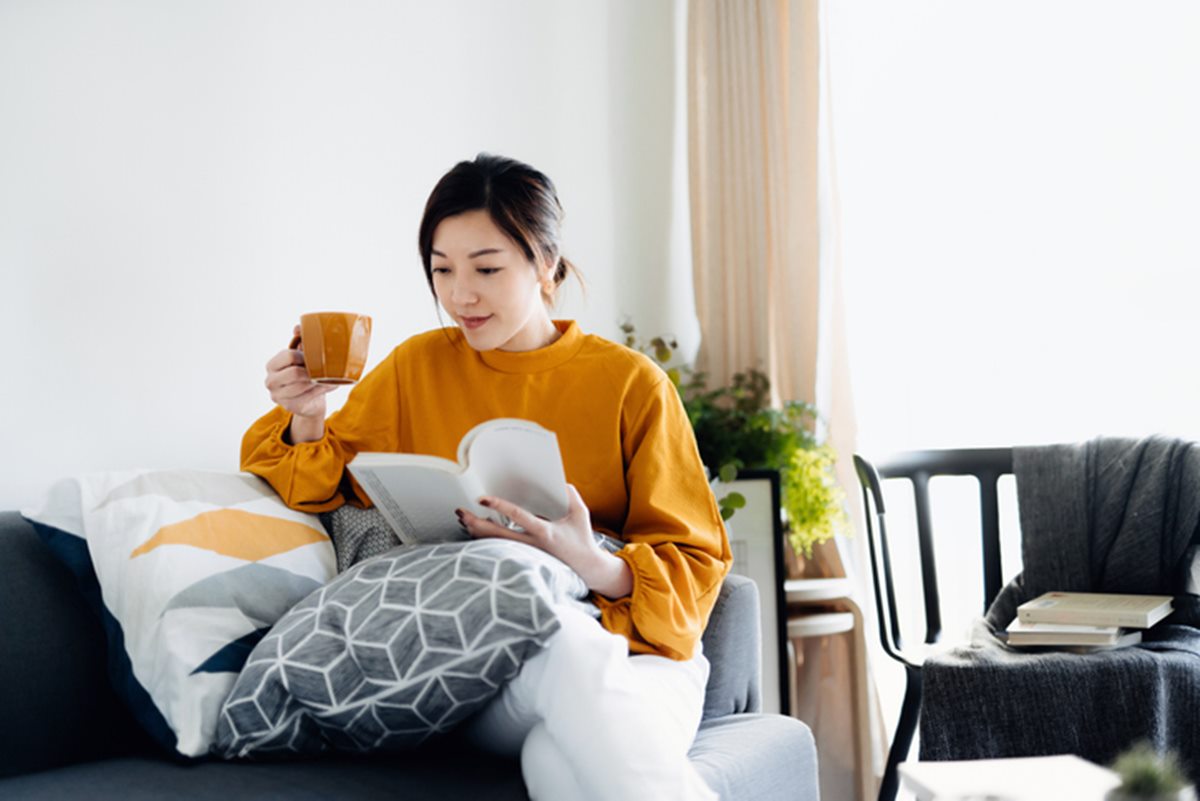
{"type": "Point", "coordinates": [737, 428]}
{"type": "Point", "coordinates": [1147, 775]}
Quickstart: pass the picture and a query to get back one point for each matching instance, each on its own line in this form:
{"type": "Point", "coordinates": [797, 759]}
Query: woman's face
{"type": "Point", "coordinates": [483, 280]}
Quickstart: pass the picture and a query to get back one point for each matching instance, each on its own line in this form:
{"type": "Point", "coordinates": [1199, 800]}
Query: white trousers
{"type": "Point", "coordinates": [592, 723]}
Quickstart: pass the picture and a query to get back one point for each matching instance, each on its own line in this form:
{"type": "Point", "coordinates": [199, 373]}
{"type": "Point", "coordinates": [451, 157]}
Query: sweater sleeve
{"type": "Point", "coordinates": [676, 544]}
{"type": "Point", "coordinates": [311, 476]}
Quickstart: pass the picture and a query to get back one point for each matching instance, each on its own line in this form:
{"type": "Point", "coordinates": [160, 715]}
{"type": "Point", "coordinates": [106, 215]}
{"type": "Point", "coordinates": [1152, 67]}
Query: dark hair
{"type": "Point", "coordinates": [519, 199]}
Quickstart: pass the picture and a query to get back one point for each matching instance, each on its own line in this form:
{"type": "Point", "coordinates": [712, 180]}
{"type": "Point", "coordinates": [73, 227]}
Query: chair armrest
{"type": "Point", "coordinates": [55, 697]}
{"type": "Point", "coordinates": [733, 645]}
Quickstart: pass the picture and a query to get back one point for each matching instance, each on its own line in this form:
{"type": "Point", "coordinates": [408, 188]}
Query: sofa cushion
{"type": "Point", "coordinates": [397, 648]}
{"type": "Point", "coordinates": [187, 570]}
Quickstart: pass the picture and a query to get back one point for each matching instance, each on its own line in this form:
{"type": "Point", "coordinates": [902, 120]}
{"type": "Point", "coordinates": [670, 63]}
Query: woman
{"type": "Point", "coordinates": [609, 708]}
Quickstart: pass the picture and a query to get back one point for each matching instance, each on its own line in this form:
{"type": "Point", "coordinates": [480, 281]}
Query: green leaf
{"type": "Point", "coordinates": [728, 472]}
{"type": "Point", "coordinates": [726, 512]}
{"type": "Point", "coordinates": [735, 500]}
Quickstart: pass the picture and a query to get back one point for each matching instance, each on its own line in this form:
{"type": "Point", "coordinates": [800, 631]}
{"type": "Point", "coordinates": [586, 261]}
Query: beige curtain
{"type": "Point", "coordinates": [753, 95]}
{"type": "Point", "coordinates": [768, 289]}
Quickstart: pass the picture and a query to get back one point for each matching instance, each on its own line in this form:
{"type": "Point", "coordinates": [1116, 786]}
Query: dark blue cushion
{"type": "Point", "coordinates": [72, 551]}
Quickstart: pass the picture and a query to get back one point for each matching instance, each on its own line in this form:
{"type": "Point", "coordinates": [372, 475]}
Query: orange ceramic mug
{"type": "Point", "coordinates": [334, 345]}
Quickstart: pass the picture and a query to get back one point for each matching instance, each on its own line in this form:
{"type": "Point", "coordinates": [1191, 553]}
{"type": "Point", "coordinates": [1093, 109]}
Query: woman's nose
{"type": "Point", "coordinates": [463, 292]}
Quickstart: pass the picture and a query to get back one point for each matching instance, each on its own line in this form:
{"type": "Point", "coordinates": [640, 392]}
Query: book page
{"type": "Point", "coordinates": [519, 461]}
{"type": "Point", "coordinates": [1100, 601]}
{"type": "Point", "coordinates": [417, 498]}
{"type": "Point", "coordinates": [1025, 627]}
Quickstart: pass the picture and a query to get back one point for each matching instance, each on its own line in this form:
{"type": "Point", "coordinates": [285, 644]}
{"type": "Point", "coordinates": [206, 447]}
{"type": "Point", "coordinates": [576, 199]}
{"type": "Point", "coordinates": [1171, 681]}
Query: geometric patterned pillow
{"type": "Point", "coordinates": [397, 648]}
{"type": "Point", "coordinates": [187, 570]}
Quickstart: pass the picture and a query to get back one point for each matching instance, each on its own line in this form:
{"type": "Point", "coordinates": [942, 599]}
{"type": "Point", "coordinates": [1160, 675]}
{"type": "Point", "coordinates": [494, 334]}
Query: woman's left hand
{"type": "Point", "coordinates": [568, 538]}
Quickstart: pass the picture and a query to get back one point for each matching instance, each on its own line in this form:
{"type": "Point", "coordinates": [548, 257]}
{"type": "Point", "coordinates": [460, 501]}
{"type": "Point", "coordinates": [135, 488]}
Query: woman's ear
{"type": "Point", "coordinates": [546, 268]}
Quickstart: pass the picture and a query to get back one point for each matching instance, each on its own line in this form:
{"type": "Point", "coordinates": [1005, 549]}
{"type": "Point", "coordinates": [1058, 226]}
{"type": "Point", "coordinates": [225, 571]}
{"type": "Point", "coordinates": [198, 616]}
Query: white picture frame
{"type": "Point", "coordinates": [756, 539]}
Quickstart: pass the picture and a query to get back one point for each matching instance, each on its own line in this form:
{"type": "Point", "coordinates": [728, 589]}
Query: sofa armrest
{"type": "Point", "coordinates": [759, 757]}
{"type": "Point", "coordinates": [57, 703]}
{"type": "Point", "coordinates": [733, 645]}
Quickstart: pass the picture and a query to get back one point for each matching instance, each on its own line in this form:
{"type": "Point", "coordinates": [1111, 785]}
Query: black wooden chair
{"type": "Point", "coordinates": [987, 465]}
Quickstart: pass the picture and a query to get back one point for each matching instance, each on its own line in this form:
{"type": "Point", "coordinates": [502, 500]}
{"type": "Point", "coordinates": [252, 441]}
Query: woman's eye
{"type": "Point", "coordinates": [440, 270]}
{"type": "Point", "coordinates": [487, 270]}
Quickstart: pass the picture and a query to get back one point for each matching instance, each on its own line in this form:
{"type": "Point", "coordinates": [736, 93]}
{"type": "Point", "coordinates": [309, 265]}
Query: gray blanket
{"type": "Point", "coordinates": [1108, 515]}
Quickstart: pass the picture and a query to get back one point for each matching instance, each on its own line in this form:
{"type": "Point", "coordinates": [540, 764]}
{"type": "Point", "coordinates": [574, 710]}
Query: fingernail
{"type": "Point", "coordinates": [459, 512]}
{"type": "Point", "coordinates": [485, 501]}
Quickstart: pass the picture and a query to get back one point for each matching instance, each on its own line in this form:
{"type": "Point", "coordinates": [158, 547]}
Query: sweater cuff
{"type": "Point", "coordinates": [644, 615]}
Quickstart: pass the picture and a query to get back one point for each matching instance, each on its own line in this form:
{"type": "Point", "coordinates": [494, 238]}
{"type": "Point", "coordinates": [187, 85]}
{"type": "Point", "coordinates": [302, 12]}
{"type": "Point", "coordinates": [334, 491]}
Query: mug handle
{"type": "Point", "coordinates": [295, 343]}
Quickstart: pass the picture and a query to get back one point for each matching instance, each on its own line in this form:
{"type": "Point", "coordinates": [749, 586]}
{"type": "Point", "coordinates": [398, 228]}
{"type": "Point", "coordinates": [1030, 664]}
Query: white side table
{"type": "Point", "coordinates": [802, 594]}
{"type": "Point", "coordinates": [1045, 778]}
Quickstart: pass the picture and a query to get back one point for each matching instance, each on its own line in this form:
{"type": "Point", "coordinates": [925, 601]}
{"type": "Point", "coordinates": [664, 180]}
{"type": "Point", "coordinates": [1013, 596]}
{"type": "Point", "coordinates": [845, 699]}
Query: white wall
{"type": "Point", "coordinates": [178, 181]}
{"type": "Point", "coordinates": [1018, 187]}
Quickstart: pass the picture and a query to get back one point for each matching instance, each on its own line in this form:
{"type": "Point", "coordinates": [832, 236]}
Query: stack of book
{"type": "Point", "coordinates": [1086, 620]}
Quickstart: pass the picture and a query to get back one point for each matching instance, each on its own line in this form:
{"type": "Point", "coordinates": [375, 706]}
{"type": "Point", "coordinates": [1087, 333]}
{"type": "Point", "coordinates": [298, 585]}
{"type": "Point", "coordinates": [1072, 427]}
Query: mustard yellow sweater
{"type": "Point", "coordinates": [626, 442]}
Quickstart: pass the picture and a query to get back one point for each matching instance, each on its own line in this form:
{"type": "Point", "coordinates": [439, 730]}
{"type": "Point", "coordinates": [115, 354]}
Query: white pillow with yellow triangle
{"type": "Point", "coordinates": [188, 569]}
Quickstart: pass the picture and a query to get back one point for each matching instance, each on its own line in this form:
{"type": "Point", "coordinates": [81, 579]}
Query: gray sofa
{"type": "Point", "coordinates": [65, 734]}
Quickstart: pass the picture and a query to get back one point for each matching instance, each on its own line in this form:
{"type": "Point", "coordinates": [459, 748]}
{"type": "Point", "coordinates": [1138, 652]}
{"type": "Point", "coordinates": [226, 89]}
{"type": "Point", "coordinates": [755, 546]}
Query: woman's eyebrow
{"type": "Point", "coordinates": [472, 255]}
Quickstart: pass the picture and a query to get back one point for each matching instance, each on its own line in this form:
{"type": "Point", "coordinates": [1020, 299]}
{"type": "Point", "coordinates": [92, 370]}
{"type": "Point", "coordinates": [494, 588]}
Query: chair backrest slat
{"type": "Point", "coordinates": [989, 513]}
{"type": "Point", "coordinates": [929, 582]}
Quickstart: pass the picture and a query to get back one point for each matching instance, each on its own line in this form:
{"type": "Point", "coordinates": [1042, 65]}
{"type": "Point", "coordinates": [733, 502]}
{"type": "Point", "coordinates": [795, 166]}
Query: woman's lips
{"type": "Point", "coordinates": [474, 322]}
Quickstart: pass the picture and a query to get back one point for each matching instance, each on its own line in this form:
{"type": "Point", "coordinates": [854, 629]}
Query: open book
{"type": "Point", "coordinates": [516, 460]}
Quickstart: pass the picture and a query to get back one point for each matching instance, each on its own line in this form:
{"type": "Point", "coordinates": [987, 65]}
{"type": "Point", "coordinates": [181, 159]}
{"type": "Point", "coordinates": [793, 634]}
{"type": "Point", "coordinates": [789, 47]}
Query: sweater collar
{"type": "Point", "coordinates": [556, 353]}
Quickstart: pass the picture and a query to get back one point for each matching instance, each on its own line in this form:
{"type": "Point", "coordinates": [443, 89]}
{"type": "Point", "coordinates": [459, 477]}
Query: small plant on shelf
{"type": "Point", "coordinates": [737, 428]}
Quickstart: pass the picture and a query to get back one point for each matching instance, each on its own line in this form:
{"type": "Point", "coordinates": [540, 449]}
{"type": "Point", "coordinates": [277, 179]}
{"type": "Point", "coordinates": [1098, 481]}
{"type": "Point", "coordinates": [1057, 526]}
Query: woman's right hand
{"type": "Point", "coordinates": [291, 388]}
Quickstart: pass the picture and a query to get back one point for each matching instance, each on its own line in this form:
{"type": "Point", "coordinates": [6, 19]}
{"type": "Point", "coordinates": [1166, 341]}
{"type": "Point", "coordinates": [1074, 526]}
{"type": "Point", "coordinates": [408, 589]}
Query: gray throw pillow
{"type": "Point", "coordinates": [398, 648]}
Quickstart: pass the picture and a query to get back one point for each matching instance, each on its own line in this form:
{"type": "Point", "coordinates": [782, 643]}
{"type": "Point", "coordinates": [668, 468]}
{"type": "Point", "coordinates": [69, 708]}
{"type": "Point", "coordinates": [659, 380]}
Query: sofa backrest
{"type": "Point", "coordinates": [733, 645]}
{"type": "Point", "coordinates": [60, 707]}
